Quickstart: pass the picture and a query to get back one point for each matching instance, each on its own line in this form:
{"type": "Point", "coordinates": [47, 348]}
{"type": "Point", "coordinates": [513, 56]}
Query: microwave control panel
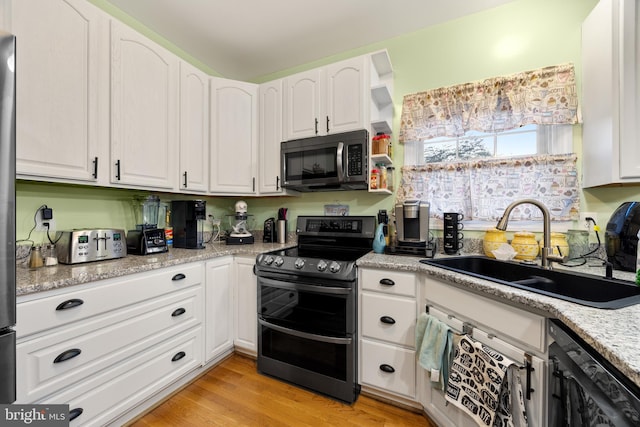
{"type": "Point", "coordinates": [354, 160]}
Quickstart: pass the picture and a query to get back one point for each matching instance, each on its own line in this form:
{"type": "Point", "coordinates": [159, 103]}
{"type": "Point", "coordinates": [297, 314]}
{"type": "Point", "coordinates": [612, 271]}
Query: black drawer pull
{"type": "Point", "coordinates": [178, 312]}
{"type": "Point", "coordinates": [387, 282]}
{"type": "Point", "coordinates": [178, 356]}
{"type": "Point", "coordinates": [388, 320]}
{"type": "Point", "coordinates": [69, 304]}
{"type": "Point", "coordinates": [178, 276]}
{"type": "Point", "coordinates": [387, 368]}
{"type": "Point", "coordinates": [66, 355]}
{"type": "Point", "coordinates": [75, 413]}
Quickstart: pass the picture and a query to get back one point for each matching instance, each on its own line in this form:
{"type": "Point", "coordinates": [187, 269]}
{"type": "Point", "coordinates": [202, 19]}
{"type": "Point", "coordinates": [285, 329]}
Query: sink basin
{"type": "Point", "coordinates": [585, 289]}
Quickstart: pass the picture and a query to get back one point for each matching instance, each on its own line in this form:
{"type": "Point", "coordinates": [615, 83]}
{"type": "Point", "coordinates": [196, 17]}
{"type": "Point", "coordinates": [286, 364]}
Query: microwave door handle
{"type": "Point", "coordinates": [340, 162]}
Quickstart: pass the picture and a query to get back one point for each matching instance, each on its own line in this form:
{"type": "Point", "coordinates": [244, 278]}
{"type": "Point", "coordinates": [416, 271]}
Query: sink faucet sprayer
{"type": "Point", "coordinates": [547, 250]}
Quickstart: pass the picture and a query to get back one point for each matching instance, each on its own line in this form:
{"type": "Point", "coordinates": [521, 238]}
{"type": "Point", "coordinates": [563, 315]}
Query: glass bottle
{"type": "Point", "coordinates": [390, 170]}
{"type": "Point", "coordinates": [50, 255]}
{"type": "Point", "coordinates": [35, 259]}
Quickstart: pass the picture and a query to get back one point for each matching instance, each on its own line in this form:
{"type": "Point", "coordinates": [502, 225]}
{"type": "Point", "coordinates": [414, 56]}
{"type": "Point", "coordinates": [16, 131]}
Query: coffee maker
{"type": "Point", "coordinates": [187, 219]}
{"type": "Point", "coordinates": [147, 238]}
{"type": "Point", "coordinates": [412, 230]}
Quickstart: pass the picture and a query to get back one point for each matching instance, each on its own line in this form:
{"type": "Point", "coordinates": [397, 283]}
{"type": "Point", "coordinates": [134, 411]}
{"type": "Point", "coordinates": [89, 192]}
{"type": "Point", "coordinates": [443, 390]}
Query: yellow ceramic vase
{"type": "Point", "coordinates": [526, 246]}
{"type": "Point", "coordinates": [493, 238]}
{"type": "Point", "coordinates": [558, 240]}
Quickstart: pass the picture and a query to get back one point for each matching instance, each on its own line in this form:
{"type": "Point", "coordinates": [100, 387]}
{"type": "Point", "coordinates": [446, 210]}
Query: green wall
{"type": "Point", "coordinates": [518, 36]}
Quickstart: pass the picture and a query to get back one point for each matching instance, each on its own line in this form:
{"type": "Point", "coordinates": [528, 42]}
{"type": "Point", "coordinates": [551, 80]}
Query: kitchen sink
{"type": "Point", "coordinates": [585, 289]}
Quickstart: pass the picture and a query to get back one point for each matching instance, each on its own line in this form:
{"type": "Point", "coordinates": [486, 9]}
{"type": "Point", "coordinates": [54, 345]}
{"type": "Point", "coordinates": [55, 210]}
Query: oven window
{"type": "Point", "coordinates": [324, 358]}
{"type": "Point", "coordinates": [309, 312]}
{"type": "Point", "coordinates": [311, 164]}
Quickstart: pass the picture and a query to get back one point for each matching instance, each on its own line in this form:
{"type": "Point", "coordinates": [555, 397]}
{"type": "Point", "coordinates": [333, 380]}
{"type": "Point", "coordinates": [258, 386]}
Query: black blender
{"type": "Point", "coordinates": [147, 238]}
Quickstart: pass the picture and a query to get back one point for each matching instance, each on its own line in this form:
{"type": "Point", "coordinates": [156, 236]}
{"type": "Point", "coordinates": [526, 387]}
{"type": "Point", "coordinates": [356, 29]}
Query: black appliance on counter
{"type": "Point", "coordinates": [146, 241]}
{"type": "Point", "coordinates": [187, 220]}
{"type": "Point", "coordinates": [585, 389]}
{"type": "Point", "coordinates": [307, 303]}
{"type": "Point", "coordinates": [269, 234]}
{"type": "Point", "coordinates": [621, 236]}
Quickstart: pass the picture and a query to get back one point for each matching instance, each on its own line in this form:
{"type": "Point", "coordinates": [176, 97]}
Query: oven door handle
{"type": "Point", "coordinates": [333, 290]}
{"type": "Point", "coordinates": [314, 337]}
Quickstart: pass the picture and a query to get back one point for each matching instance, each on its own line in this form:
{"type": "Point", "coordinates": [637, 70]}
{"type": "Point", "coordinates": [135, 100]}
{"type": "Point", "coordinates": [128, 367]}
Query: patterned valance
{"type": "Point", "coordinates": [544, 96]}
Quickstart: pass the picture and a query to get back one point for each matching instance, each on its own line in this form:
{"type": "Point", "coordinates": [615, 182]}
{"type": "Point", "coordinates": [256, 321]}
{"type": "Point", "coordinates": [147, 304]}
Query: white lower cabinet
{"type": "Point", "coordinates": [106, 346]}
{"type": "Point", "coordinates": [219, 308]}
{"type": "Point", "coordinates": [516, 333]}
{"type": "Point", "coordinates": [387, 307]}
{"type": "Point", "coordinates": [246, 305]}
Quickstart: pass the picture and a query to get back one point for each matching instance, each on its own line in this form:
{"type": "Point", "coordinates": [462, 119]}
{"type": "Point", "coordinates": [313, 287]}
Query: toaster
{"type": "Point", "coordinates": [94, 244]}
{"type": "Point", "coordinates": [270, 234]}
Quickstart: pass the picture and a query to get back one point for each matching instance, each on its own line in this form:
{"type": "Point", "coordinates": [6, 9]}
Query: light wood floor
{"type": "Point", "coordinates": [235, 394]}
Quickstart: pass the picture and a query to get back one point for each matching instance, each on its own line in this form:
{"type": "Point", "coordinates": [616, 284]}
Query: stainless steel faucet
{"type": "Point", "coordinates": [547, 251]}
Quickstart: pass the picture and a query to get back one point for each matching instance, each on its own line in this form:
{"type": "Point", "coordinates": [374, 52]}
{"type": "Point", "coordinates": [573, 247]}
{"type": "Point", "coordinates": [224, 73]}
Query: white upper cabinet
{"type": "Point", "coordinates": [144, 111]}
{"type": "Point", "coordinates": [62, 67]}
{"type": "Point", "coordinates": [326, 100]}
{"type": "Point", "coordinates": [194, 129]}
{"type": "Point", "coordinates": [611, 91]}
{"type": "Point", "coordinates": [270, 137]}
{"type": "Point", "coordinates": [233, 137]}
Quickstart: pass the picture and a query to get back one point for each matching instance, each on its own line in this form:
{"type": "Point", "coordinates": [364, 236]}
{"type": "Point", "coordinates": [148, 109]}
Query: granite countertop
{"type": "Point", "coordinates": [613, 333]}
{"type": "Point", "coordinates": [30, 281]}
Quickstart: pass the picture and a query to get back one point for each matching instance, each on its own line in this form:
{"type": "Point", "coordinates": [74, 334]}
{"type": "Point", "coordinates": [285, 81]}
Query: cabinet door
{"type": "Point", "coordinates": [219, 307]}
{"type": "Point", "coordinates": [303, 106]}
{"type": "Point", "coordinates": [246, 318]}
{"type": "Point", "coordinates": [194, 129]}
{"type": "Point", "coordinates": [270, 137]}
{"type": "Point", "coordinates": [630, 92]}
{"type": "Point", "coordinates": [346, 92]}
{"type": "Point", "coordinates": [234, 138]}
{"type": "Point", "coordinates": [144, 86]}
{"type": "Point", "coordinates": [60, 69]}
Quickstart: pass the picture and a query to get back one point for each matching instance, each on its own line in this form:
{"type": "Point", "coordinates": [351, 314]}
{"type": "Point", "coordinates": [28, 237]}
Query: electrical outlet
{"type": "Point", "coordinates": [40, 222]}
{"type": "Point", "coordinates": [587, 225]}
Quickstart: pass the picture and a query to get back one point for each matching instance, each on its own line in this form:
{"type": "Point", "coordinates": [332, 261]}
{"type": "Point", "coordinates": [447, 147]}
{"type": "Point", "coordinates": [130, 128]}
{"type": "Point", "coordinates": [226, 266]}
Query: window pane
{"type": "Point", "coordinates": [475, 147]}
{"type": "Point", "coordinates": [511, 144]}
{"type": "Point", "coordinates": [440, 152]}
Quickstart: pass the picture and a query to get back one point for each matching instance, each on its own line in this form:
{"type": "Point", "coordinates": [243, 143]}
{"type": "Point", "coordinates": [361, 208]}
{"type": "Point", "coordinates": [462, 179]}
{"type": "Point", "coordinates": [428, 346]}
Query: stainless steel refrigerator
{"type": "Point", "coordinates": [7, 218]}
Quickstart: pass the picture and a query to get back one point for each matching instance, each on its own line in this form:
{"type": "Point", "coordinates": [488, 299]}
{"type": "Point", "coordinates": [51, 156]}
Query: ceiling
{"type": "Point", "coordinates": [245, 39]}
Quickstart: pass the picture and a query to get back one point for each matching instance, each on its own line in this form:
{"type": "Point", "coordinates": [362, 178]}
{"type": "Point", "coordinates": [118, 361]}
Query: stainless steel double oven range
{"type": "Point", "coordinates": [307, 305]}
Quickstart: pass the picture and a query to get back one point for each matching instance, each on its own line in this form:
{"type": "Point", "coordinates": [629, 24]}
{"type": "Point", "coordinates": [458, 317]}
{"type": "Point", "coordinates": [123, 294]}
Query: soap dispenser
{"type": "Point", "coordinates": [378, 240]}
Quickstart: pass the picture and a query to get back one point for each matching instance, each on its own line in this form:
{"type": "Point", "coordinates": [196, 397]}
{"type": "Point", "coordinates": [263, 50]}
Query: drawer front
{"type": "Point", "coordinates": [110, 393]}
{"type": "Point", "coordinates": [389, 318]}
{"type": "Point", "coordinates": [59, 359]}
{"type": "Point", "coordinates": [102, 296]}
{"type": "Point", "coordinates": [390, 282]}
{"type": "Point", "coordinates": [377, 358]}
{"type": "Point", "coordinates": [503, 320]}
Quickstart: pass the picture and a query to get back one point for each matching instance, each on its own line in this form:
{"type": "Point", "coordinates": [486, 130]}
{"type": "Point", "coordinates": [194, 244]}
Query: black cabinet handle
{"type": "Point", "coordinates": [388, 320]}
{"type": "Point", "coordinates": [69, 304]}
{"type": "Point", "coordinates": [185, 179]}
{"type": "Point", "coordinates": [316, 125]}
{"type": "Point", "coordinates": [327, 124]}
{"type": "Point", "coordinates": [178, 276]}
{"type": "Point", "coordinates": [66, 355]}
{"type": "Point", "coordinates": [277, 183]}
{"type": "Point", "coordinates": [95, 168]}
{"type": "Point", "coordinates": [118, 170]}
{"type": "Point", "coordinates": [75, 413]}
{"type": "Point", "coordinates": [387, 282]}
{"type": "Point", "coordinates": [178, 312]}
{"type": "Point", "coordinates": [387, 368]}
{"type": "Point", "coordinates": [254, 184]}
{"type": "Point", "coordinates": [178, 356]}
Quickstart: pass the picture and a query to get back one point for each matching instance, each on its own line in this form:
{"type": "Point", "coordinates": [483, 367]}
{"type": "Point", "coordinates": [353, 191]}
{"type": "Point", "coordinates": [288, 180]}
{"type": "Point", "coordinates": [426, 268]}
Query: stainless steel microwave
{"type": "Point", "coordinates": [325, 163]}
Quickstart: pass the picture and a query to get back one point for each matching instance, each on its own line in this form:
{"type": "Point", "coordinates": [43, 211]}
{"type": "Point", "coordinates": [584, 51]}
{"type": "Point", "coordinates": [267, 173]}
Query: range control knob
{"type": "Point", "coordinates": [334, 267]}
{"type": "Point", "coordinates": [322, 265]}
{"type": "Point", "coordinates": [268, 260]}
{"type": "Point", "coordinates": [279, 261]}
{"type": "Point", "coordinates": [299, 263]}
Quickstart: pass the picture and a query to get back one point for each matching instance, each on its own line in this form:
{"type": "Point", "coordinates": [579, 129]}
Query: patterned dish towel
{"type": "Point", "coordinates": [486, 385]}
